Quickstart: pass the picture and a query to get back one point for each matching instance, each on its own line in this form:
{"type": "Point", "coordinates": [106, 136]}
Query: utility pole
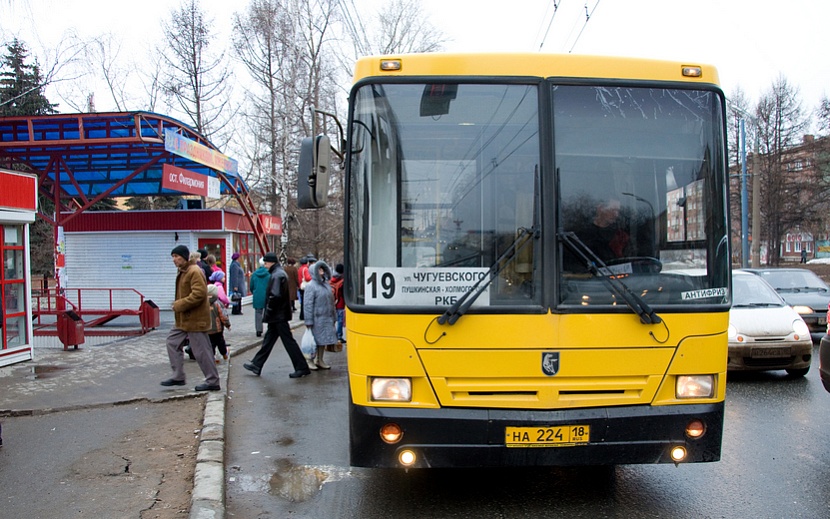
{"type": "Point", "coordinates": [756, 193]}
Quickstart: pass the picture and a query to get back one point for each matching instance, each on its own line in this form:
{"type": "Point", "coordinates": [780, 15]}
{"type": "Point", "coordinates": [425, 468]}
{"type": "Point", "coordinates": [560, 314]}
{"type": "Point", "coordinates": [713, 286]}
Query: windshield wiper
{"type": "Point", "coordinates": [599, 269]}
{"type": "Point", "coordinates": [460, 307]}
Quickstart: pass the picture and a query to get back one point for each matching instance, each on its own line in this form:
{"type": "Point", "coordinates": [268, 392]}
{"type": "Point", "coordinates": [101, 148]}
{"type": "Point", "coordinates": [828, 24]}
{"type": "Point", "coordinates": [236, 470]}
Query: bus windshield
{"type": "Point", "coordinates": [450, 183]}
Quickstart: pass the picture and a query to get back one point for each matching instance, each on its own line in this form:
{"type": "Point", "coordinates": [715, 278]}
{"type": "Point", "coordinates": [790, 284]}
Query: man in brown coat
{"type": "Point", "coordinates": [192, 321]}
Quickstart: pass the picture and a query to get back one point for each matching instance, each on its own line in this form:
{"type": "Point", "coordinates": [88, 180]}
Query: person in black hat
{"type": "Point", "coordinates": [192, 314]}
{"type": "Point", "coordinates": [277, 315]}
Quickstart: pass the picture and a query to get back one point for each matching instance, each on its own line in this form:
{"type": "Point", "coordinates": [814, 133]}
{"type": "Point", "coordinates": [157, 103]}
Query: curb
{"type": "Point", "coordinates": [208, 498]}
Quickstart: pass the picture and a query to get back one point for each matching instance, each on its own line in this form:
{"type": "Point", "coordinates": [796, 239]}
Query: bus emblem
{"type": "Point", "coordinates": [550, 363]}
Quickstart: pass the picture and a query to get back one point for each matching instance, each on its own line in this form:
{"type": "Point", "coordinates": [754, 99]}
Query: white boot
{"type": "Point", "coordinates": [319, 359]}
{"type": "Point", "coordinates": [310, 362]}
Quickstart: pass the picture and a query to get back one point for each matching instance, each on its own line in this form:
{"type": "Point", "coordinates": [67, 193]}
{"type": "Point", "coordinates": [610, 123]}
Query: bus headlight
{"type": "Point", "coordinates": [392, 389]}
{"type": "Point", "coordinates": [695, 386]}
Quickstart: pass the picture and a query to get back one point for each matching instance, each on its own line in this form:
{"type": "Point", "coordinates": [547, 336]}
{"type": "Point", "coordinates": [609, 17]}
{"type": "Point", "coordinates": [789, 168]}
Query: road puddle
{"type": "Point", "coordinates": [296, 483]}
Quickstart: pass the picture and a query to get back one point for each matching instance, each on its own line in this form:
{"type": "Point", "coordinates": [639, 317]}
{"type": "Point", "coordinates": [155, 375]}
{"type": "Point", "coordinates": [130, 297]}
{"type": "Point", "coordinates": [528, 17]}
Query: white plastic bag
{"type": "Point", "coordinates": [307, 345]}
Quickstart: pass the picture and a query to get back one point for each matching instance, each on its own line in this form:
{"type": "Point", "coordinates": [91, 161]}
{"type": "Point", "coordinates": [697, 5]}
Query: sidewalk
{"type": "Point", "coordinates": [127, 370]}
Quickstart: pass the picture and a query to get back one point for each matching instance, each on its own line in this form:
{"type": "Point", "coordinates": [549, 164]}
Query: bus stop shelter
{"type": "Point", "coordinates": [81, 159]}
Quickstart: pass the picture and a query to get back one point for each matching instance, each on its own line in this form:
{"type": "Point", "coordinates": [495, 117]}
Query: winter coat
{"type": "Point", "coordinates": [237, 279]}
{"type": "Point", "coordinates": [259, 286]}
{"type": "Point", "coordinates": [190, 305]}
{"type": "Point", "coordinates": [293, 280]}
{"type": "Point", "coordinates": [222, 296]}
{"type": "Point", "coordinates": [218, 318]}
{"type": "Point", "coordinates": [318, 305]}
{"type": "Point", "coordinates": [277, 301]}
{"type": "Point", "coordinates": [337, 288]}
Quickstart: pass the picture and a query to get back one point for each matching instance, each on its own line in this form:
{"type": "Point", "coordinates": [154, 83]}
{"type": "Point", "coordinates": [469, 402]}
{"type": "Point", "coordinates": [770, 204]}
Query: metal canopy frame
{"type": "Point", "coordinates": [81, 159]}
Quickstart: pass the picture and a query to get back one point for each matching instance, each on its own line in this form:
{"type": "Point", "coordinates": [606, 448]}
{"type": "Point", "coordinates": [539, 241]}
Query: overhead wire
{"type": "Point", "coordinates": [550, 24]}
{"type": "Point", "coordinates": [587, 19]}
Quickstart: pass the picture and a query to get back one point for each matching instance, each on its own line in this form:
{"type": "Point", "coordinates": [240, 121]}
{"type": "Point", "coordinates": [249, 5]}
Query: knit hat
{"type": "Point", "coordinates": [181, 250]}
{"type": "Point", "coordinates": [235, 255]}
{"type": "Point", "coordinates": [270, 257]}
{"type": "Point", "coordinates": [217, 276]}
{"type": "Point", "coordinates": [202, 252]}
{"type": "Point", "coordinates": [339, 268]}
{"type": "Point", "coordinates": [212, 291]}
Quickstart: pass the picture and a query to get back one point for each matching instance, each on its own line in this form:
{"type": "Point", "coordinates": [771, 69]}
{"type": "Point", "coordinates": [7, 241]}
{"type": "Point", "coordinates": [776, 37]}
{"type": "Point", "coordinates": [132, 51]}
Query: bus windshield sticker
{"type": "Point", "coordinates": [705, 293]}
{"type": "Point", "coordinates": [402, 286]}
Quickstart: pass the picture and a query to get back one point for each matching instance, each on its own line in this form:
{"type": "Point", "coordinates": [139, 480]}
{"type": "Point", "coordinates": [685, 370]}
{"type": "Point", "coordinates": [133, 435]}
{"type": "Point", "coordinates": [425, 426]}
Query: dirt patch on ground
{"type": "Point", "coordinates": [148, 474]}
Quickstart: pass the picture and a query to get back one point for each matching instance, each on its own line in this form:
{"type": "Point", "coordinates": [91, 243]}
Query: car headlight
{"type": "Point", "coordinates": [731, 332]}
{"type": "Point", "coordinates": [695, 386]}
{"type": "Point", "coordinates": [392, 389]}
{"type": "Point", "coordinates": [803, 310]}
{"type": "Point", "coordinates": [800, 328]}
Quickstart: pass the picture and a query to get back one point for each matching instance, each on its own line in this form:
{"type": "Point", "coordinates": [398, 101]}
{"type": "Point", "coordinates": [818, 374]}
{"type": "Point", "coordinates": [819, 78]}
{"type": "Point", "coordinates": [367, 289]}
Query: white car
{"type": "Point", "coordinates": [764, 332]}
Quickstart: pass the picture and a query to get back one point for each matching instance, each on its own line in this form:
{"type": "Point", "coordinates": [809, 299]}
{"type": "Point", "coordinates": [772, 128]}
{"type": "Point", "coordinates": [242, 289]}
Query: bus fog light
{"type": "Point", "coordinates": [392, 389]}
{"type": "Point", "coordinates": [678, 453]}
{"type": "Point", "coordinates": [695, 429]}
{"type": "Point", "coordinates": [391, 433]}
{"type": "Point", "coordinates": [407, 458]}
{"type": "Point", "coordinates": [695, 386]}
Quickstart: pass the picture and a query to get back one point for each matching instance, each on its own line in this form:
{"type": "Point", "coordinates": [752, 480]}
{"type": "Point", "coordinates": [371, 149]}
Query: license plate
{"type": "Point", "coordinates": [768, 353]}
{"type": "Point", "coordinates": [559, 436]}
{"type": "Point", "coordinates": [822, 320]}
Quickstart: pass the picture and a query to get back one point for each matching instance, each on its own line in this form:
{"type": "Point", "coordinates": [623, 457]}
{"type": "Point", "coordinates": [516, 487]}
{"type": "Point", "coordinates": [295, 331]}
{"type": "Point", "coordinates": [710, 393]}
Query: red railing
{"type": "Point", "coordinates": [95, 307]}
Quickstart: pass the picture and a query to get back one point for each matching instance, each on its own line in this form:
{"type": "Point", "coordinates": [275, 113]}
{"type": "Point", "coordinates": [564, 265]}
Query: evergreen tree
{"type": "Point", "coordinates": [21, 84]}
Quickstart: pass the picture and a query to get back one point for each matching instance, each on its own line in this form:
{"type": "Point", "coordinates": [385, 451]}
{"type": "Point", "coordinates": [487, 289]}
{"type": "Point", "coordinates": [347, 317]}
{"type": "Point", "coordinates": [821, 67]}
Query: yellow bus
{"type": "Point", "coordinates": [537, 260]}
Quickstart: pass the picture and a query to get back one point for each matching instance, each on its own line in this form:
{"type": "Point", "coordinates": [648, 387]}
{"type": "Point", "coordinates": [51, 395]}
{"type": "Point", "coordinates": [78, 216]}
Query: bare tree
{"type": "Point", "coordinates": [399, 27]}
{"type": "Point", "coordinates": [788, 193]}
{"type": "Point", "coordinates": [195, 80]}
{"type": "Point", "coordinates": [282, 44]}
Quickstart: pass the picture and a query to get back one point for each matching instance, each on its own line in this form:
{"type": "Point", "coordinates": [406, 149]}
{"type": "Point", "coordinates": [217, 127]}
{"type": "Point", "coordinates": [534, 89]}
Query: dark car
{"type": "Point", "coordinates": [804, 291]}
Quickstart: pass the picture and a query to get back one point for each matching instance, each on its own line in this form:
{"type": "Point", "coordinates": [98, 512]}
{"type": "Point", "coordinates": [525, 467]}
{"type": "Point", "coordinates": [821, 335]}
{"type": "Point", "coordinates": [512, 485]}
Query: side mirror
{"type": "Point", "coordinates": [313, 174]}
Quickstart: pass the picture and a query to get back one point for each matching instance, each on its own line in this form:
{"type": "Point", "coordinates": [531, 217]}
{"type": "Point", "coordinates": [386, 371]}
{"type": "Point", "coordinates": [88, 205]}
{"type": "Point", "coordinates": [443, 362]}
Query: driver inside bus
{"type": "Point", "coordinates": [606, 235]}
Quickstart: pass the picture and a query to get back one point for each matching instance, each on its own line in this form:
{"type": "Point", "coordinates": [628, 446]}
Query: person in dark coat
{"type": "Point", "coordinates": [203, 264]}
{"type": "Point", "coordinates": [277, 315]}
{"type": "Point", "coordinates": [259, 289]}
{"type": "Point", "coordinates": [191, 310]}
{"type": "Point", "coordinates": [237, 284]}
{"type": "Point", "coordinates": [320, 314]}
{"type": "Point", "coordinates": [293, 279]}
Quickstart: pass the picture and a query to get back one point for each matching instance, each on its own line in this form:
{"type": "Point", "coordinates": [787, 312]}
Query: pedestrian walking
{"type": "Point", "coordinates": [320, 313]}
{"type": "Point", "coordinates": [191, 310]}
{"type": "Point", "coordinates": [259, 289]}
{"type": "Point", "coordinates": [277, 315]}
{"type": "Point", "coordinates": [218, 322]}
{"type": "Point", "coordinates": [236, 285]}
{"type": "Point", "coordinates": [339, 302]}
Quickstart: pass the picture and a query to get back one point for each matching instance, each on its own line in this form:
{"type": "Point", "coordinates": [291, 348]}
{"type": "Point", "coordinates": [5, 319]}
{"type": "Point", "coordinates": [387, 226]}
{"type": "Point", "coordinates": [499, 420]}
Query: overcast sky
{"type": "Point", "coordinates": [751, 42]}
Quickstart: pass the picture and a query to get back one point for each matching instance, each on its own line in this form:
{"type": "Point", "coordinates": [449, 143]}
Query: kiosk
{"type": "Point", "coordinates": [18, 205]}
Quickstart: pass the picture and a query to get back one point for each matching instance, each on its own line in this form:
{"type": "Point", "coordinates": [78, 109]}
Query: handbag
{"type": "Point", "coordinates": [336, 347]}
{"type": "Point", "coordinates": [236, 296]}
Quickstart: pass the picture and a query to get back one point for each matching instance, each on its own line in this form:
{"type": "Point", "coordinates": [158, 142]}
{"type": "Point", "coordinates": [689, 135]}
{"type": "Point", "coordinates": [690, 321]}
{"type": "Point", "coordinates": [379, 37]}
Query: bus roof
{"type": "Point", "coordinates": [531, 65]}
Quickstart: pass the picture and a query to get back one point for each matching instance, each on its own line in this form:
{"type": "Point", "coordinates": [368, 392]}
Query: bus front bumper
{"type": "Point", "coordinates": [455, 437]}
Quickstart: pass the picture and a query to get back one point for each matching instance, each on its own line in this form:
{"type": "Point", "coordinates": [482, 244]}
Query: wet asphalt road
{"type": "Point", "coordinates": [287, 456]}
